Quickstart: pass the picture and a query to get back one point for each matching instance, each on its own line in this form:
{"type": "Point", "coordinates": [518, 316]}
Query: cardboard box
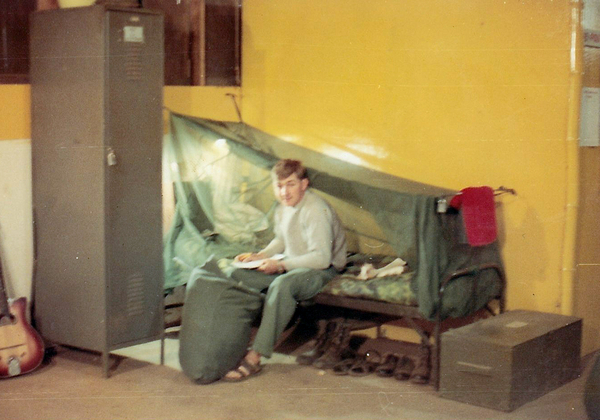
{"type": "Point", "coordinates": [510, 359]}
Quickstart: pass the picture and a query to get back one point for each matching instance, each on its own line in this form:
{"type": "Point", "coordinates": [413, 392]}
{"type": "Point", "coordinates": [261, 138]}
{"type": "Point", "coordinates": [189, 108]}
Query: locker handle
{"type": "Point", "coordinates": [111, 158]}
{"type": "Point", "coordinates": [474, 368]}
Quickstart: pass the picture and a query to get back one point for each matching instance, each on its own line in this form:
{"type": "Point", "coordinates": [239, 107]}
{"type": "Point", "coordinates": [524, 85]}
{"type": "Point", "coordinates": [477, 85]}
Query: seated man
{"type": "Point", "coordinates": [309, 234]}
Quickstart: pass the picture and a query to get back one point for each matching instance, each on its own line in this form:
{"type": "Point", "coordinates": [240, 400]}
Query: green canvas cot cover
{"type": "Point", "coordinates": [219, 176]}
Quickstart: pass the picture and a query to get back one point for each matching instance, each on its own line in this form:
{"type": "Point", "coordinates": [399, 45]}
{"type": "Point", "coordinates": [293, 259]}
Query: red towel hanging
{"type": "Point", "coordinates": [479, 214]}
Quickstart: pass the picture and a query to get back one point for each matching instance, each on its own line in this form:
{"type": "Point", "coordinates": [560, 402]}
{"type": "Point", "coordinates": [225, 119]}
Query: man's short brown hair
{"type": "Point", "coordinates": [286, 167]}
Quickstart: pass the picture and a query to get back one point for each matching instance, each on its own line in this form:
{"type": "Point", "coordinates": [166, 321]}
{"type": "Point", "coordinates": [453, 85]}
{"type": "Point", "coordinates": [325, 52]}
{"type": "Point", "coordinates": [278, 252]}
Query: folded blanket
{"type": "Point", "coordinates": [479, 214]}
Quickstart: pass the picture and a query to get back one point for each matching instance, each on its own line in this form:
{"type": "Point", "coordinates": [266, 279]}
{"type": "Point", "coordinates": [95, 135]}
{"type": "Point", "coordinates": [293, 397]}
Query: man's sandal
{"type": "Point", "coordinates": [343, 366]}
{"type": "Point", "coordinates": [245, 369]}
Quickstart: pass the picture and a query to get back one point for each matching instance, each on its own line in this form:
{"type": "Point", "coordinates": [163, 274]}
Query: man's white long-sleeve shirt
{"type": "Point", "coordinates": [310, 235]}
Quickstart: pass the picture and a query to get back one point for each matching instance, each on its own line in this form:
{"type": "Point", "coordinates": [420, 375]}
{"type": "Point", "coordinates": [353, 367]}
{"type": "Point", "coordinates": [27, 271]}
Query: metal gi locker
{"type": "Point", "coordinates": [96, 96]}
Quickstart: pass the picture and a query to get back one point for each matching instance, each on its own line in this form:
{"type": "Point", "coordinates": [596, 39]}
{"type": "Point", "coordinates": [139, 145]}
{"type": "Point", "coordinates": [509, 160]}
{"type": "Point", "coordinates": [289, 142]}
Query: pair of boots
{"type": "Point", "coordinates": [416, 369]}
{"type": "Point", "coordinates": [332, 345]}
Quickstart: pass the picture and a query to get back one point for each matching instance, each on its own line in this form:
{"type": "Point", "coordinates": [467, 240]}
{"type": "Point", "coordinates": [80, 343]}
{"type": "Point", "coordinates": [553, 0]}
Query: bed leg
{"type": "Point", "coordinates": [435, 357]}
{"type": "Point", "coordinates": [162, 348]}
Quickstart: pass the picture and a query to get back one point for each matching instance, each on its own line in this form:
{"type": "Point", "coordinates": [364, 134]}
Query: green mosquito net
{"type": "Point", "coordinates": [219, 202]}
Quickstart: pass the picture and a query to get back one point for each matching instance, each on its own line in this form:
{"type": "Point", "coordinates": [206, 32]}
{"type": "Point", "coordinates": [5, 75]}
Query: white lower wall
{"type": "Point", "coordinates": [16, 229]}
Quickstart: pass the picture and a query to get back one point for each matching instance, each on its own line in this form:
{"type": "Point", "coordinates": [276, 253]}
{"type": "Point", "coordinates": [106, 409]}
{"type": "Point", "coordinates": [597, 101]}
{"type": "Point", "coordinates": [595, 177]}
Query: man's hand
{"type": "Point", "coordinates": [271, 267]}
{"type": "Point", "coordinates": [250, 256]}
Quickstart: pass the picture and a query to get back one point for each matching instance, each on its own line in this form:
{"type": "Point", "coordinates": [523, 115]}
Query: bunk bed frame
{"type": "Point", "coordinates": [429, 331]}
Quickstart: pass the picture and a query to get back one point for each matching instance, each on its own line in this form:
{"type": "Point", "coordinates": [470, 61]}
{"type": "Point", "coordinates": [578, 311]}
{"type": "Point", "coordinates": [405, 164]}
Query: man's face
{"type": "Point", "coordinates": [289, 191]}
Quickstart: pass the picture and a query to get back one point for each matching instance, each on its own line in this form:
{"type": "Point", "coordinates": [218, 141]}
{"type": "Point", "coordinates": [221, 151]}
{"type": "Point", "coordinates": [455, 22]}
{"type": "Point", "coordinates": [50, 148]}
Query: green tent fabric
{"type": "Point", "coordinates": [224, 205]}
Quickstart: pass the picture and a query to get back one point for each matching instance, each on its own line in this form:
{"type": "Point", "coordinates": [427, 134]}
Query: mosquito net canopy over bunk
{"type": "Point", "coordinates": [223, 203]}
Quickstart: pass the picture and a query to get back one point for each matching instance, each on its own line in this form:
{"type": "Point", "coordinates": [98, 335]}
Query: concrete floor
{"type": "Point", "coordinates": [71, 386]}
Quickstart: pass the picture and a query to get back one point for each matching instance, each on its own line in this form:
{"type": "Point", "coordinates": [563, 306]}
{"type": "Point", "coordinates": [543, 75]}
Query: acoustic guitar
{"type": "Point", "coordinates": [21, 347]}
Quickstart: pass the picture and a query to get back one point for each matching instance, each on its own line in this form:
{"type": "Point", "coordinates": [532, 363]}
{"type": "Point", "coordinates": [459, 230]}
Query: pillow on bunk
{"type": "Point", "coordinates": [393, 289]}
{"type": "Point", "coordinates": [216, 324]}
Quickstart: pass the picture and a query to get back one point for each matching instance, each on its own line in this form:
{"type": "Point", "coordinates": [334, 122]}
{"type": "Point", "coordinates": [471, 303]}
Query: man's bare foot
{"type": "Point", "coordinates": [249, 366]}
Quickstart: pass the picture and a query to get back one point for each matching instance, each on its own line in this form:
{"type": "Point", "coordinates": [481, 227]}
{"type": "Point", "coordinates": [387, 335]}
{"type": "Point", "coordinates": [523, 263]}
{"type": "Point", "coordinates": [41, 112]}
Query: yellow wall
{"type": "Point", "coordinates": [452, 93]}
{"type": "Point", "coordinates": [15, 112]}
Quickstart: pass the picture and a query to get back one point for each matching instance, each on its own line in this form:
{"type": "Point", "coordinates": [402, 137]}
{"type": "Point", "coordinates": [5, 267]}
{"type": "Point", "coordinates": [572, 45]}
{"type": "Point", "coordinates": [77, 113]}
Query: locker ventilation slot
{"type": "Point", "coordinates": [133, 62]}
{"type": "Point", "coordinates": [135, 295]}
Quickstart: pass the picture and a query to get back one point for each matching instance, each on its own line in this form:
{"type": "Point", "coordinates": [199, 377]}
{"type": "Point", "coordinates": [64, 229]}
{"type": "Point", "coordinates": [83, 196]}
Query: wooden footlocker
{"type": "Point", "coordinates": [508, 360]}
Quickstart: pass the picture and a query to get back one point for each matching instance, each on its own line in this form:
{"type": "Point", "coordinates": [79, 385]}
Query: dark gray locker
{"type": "Point", "coordinates": [96, 95]}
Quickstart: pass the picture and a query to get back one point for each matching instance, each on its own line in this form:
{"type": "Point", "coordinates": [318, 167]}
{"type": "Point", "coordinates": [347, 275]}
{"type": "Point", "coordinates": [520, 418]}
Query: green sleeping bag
{"type": "Point", "coordinates": [216, 323]}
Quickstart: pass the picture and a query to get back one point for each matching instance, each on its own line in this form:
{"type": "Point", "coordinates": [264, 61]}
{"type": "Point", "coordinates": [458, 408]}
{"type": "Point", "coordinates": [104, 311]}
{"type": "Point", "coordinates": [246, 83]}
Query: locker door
{"type": "Point", "coordinates": [133, 182]}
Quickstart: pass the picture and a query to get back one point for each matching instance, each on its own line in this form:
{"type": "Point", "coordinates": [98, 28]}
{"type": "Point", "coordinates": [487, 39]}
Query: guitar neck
{"type": "Point", "coordinates": [4, 308]}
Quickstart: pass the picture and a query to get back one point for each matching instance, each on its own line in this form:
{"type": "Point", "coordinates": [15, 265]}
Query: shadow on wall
{"type": "Point", "coordinates": [524, 229]}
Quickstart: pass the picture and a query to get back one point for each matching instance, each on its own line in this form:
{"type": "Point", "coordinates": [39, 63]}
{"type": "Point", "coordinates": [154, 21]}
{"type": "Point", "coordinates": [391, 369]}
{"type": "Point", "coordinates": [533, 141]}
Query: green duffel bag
{"type": "Point", "coordinates": [216, 323]}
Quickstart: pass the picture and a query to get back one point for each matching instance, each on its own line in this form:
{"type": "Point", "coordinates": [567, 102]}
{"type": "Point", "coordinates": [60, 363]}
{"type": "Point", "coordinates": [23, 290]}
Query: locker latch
{"type": "Point", "coordinates": [111, 158]}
